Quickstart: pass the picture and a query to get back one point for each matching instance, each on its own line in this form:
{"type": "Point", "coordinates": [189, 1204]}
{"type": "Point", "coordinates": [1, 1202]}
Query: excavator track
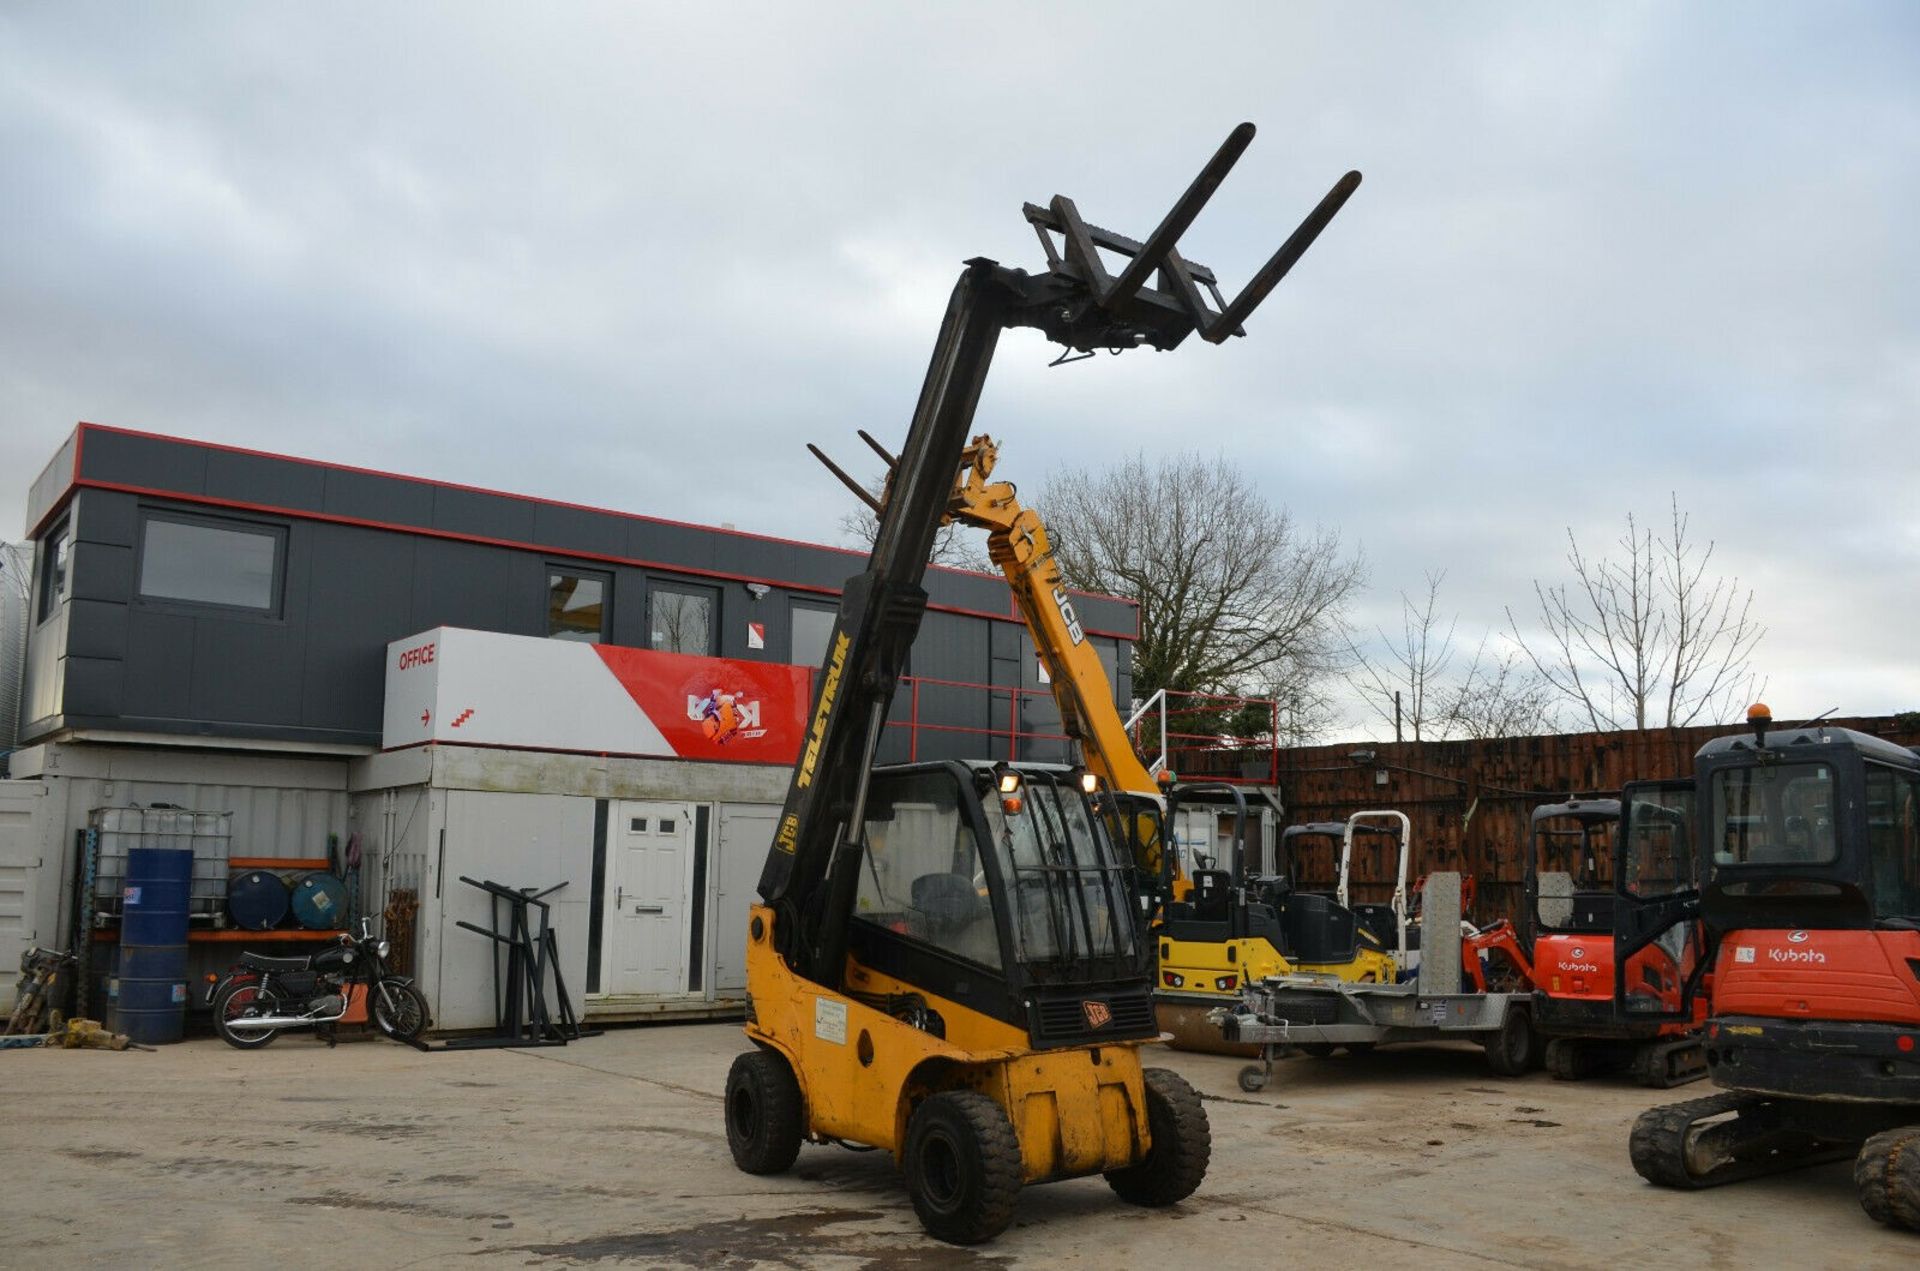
{"type": "Point", "coordinates": [1886, 1175]}
{"type": "Point", "coordinates": [1684, 1146]}
{"type": "Point", "coordinates": [1662, 1065]}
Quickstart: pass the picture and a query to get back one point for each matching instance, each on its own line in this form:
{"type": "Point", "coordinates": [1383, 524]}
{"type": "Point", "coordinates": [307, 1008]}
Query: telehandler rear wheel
{"type": "Point", "coordinates": [1173, 1167]}
{"type": "Point", "coordinates": [763, 1112]}
{"type": "Point", "coordinates": [963, 1166]}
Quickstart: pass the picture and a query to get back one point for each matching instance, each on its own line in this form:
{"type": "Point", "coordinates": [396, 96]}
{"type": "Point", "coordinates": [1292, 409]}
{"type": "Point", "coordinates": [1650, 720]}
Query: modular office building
{"type": "Point", "coordinates": [409, 682]}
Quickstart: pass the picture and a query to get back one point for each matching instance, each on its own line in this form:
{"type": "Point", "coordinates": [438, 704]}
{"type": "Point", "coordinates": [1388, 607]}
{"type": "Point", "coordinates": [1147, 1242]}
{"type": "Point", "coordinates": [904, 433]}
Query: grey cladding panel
{"type": "Point", "coordinates": [106, 516]}
{"type": "Point", "coordinates": [363, 581]}
{"type": "Point", "coordinates": [483, 515]}
{"type": "Point", "coordinates": [159, 665]}
{"type": "Point", "coordinates": [578, 530]}
{"type": "Point", "coordinates": [247, 671]}
{"type": "Point", "coordinates": [102, 571]}
{"type": "Point", "coordinates": [264, 479]}
{"type": "Point", "coordinates": [97, 629]}
{"type": "Point", "coordinates": [151, 463]}
{"type": "Point", "coordinates": [366, 496]}
{"type": "Point", "coordinates": [93, 686]}
{"type": "Point", "coordinates": [51, 483]}
{"type": "Point", "coordinates": [472, 585]}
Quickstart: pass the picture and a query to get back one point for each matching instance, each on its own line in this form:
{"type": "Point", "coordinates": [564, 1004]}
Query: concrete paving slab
{"type": "Point", "coordinates": [611, 1152]}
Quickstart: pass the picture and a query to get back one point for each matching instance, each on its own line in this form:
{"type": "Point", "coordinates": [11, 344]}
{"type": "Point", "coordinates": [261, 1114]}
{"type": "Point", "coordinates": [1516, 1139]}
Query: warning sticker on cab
{"type": "Point", "coordinates": [830, 1020]}
{"type": "Point", "coordinates": [1743, 953]}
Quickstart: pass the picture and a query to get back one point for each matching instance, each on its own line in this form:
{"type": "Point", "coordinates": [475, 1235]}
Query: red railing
{"type": "Point", "coordinates": [1215, 736]}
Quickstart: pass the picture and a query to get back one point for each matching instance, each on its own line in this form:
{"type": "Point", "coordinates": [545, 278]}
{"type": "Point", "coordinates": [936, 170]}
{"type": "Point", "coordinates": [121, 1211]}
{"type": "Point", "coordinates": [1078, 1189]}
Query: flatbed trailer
{"type": "Point", "coordinates": [1311, 1012]}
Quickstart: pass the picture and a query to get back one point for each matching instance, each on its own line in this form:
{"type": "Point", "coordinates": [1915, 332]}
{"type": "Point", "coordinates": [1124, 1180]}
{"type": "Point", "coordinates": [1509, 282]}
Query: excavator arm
{"type": "Point", "coordinates": [811, 873]}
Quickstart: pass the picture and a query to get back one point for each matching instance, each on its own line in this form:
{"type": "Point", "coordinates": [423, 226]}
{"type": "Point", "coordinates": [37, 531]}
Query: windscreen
{"type": "Point", "coordinates": [922, 876]}
{"type": "Point", "coordinates": [1066, 881]}
{"type": "Point", "coordinates": [1774, 814]}
{"type": "Point", "coordinates": [1893, 842]}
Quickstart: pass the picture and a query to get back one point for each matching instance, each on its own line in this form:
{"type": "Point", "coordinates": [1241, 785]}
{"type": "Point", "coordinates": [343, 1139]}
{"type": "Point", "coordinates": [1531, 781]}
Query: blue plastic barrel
{"type": "Point", "coordinates": [152, 1001]}
{"type": "Point", "coordinates": [320, 902]}
{"type": "Point", "coordinates": [256, 900]}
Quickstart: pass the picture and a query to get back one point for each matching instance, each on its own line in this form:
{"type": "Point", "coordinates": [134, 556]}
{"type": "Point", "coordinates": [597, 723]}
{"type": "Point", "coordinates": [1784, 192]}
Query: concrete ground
{"type": "Point", "coordinates": [611, 1151]}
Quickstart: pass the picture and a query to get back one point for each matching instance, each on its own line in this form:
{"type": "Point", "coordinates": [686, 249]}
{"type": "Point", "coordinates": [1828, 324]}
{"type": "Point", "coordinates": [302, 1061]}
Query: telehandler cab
{"type": "Point", "coordinates": [947, 963]}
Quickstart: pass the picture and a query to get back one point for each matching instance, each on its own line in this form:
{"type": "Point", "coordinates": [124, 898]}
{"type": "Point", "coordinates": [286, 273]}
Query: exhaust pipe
{"type": "Point", "coordinates": [254, 1023]}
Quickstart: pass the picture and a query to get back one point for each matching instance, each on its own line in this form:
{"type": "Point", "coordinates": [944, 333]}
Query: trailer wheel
{"type": "Point", "coordinates": [1173, 1167]}
{"type": "Point", "coordinates": [963, 1166]}
{"type": "Point", "coordinates": [1886, 1175]}
{"type": "Point", "coordinates": [1515, 1049]}
{"type": "Point", "coordinates": [763, 1112]}
{"type": "Point", "coordinates": [1253, 1078]}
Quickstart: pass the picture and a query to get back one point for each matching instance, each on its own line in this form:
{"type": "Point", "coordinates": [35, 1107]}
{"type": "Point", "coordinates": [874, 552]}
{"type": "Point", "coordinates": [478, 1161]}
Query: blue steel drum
{"type": "Point", "coordinates": [153, 904]}
{"type": "Point", "coordinates": [151, 1004]}
{"type": "Point", "coordinates": [256, 900]}
{"type": "Point", "coordinates": [320, 902]}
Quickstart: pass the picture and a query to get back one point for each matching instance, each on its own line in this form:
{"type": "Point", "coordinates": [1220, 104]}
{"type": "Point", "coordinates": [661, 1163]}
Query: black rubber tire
{"type": "Point", "coordinates": [408, 1017]}
{"type": "Point", "coordinates": [962, 1163]}
{"type": "Point", "coordinates": [1176, 1163]}
{"type": "Point", "coordinates": [1360, 1048]}
{"type": "Point", "coordinates": [223, 1003]}
{"type": "Point", "coordinates": [1317, 1050]}
{"type": "Point", "coordinates": [1886, 1175]}
{"type": "Point", "coordinates": [1253, 1078]}
{"type": "Point", "coordinates": [1514, 1050]}
{"type": "Point", "coordinates": [1564, 1059]}
{"type": "Point", "coordinates": [763, 1112]}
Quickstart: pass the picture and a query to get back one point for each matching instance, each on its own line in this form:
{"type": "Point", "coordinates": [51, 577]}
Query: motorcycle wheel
{"type": "Point", "coordinates": [236, 1001]}
{"type": "Point", "coordinates": [404, 1017]}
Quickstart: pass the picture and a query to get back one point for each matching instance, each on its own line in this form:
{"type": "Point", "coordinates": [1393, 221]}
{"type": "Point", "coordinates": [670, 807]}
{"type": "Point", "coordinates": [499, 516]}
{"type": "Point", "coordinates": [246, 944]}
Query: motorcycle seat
{"type": "Point", "coordinates": [261, 962]}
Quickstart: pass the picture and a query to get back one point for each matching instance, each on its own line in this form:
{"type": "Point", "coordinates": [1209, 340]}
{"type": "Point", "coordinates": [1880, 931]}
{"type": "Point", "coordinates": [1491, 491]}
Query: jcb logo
{"type": "Point", "coordinates": [1068, 616]}
{"type": "Point", "coordinates": [788, 836]}
{"type": "Point", "coordinates": [1097, 1013]}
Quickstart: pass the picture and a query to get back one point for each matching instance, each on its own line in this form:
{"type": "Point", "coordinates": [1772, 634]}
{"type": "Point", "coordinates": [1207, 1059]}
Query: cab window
{"type": "Point", "coordinates": [1893, 842]}
{"type": "Point", "coordinates": [1778, 814]}
{"type": "Point", "coordinates": [922, 877]}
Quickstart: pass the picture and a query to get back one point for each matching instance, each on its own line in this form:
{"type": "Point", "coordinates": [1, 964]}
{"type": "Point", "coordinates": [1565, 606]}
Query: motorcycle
{"type": "Point", "coordinates": [260, 997]}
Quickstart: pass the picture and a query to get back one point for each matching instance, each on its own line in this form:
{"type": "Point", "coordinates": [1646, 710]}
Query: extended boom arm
{"type": "Point", "coordinates": [811, 872]}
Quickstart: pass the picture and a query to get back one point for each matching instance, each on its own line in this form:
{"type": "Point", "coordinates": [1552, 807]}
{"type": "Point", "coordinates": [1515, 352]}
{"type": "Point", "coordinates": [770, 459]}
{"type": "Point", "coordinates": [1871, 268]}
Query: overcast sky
{"type": "Point", "coordinates": [638, 255]}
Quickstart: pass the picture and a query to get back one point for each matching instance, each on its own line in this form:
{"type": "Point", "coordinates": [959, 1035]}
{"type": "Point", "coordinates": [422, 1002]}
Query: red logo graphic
{"type": "Point", "coordinates": [1097, 1013]}
{"type": "Point", "coordinates": [462, 717]}
{"type": "Point", "coordinates": [424, 717]}
{"type": "Point", "coordinates": [724, 716]}
{"type": "Point", "coordinates": [686, 699]}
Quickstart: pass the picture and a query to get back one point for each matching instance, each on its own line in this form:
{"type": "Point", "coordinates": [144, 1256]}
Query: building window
{"type": "Point", "coordinates": [577, 605]}
{"type": "Point", "coordinates": [680, 620]}
{"type": "Point", "coordinates": [812, 627]}
{"type": "Point", "coordinates": [204, 561]}
{"type": "Point", "coordinates": [57, 548]}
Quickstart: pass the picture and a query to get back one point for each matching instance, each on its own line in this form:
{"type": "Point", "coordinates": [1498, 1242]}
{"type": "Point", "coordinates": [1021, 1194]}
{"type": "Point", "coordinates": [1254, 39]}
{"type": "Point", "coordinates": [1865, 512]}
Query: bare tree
{"type": "Point", "coordinates": [1650, 639]}
{"type": "Point", "coordinates": [1402, 682]}
{"type": "Point", "coordinates": [1494, 695]}
{"type": "Point", "coordinates": [956, 546]}
{"type": "Point", "coordinates": [1233, 596]}
{"type": "Point", "coordinates": [1499, 695]}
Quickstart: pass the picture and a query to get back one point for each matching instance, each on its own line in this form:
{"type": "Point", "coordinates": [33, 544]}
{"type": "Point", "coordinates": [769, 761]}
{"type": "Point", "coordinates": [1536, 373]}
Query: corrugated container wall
{"type": "Point", "coordinates": [16, 573]}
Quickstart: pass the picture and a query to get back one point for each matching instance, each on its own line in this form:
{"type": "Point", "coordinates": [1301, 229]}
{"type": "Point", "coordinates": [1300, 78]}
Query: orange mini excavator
{"type": "Point", "coordinates": [1812, 921]}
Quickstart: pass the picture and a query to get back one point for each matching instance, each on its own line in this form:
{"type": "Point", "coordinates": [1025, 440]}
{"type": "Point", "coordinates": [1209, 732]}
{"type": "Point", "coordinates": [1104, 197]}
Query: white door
{"type": "Point", "coordinates": [746, 833]}
{"type": "Point", "coordinates": [24, 833]}
{"type": "Point", "coordinates": [649, 876]}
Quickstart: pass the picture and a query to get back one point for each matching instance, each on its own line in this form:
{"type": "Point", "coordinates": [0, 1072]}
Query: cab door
{"type": "Point", "coordinates": [1658, 953]}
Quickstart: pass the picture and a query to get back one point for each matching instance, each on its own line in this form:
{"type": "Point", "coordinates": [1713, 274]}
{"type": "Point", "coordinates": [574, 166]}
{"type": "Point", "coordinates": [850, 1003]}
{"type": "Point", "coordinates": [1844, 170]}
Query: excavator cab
{"type": "Point", "coordinates": [1811, 915]}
